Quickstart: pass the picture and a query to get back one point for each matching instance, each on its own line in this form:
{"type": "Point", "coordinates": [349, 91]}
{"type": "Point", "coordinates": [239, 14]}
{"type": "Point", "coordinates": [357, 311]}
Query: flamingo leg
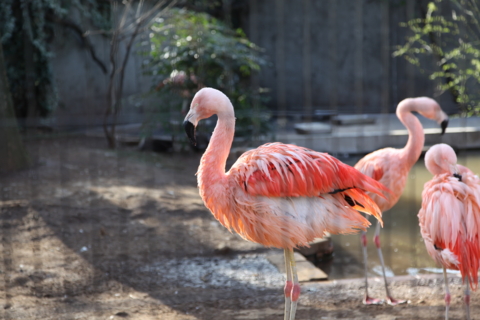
{"type": "Point", "coordinates": [367, 299]}
{"type": "Point", "coordinates": [292, 287]}
{"type": "Point", "coordinates": [296, 287]}
{"type": "Point", "coordinates": [390, 300]}
{"type": "Point", "coordinates": [447, 293]}
{"type": "Point", "coordinates": [467, 299]}
{"type": "Point", "coordinates": [288, 285]}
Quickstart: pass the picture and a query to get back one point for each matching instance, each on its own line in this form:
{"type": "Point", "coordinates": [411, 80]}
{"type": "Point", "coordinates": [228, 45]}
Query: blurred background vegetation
{"type": "Point", "coordinates": [191, 50]}
{"type": "Point", "coordinates": [452, 38]}
{"type": "Point", "coordinates": [183, 45]}
{"type": "Point", "coordinates": [26, 32]}
{"type": "Point", "coordinates": [192, 44]}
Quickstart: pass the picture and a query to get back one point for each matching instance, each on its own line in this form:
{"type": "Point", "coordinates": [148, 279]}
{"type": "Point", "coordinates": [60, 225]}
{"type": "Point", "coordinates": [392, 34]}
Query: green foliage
{"type": "Point", "coordinates": [42, 16]}
{"type": "Point", "coordinates": [12, 36]}
{"type": "Point", "coordinates": [453, 38]}
{"type": "Point", "coordinates": [190, 50]}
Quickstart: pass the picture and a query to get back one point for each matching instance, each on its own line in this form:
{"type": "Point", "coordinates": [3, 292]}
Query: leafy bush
{"type": "Point", "coordinates": [39, 18]}
{"type": "Point", "coordinates": [190, 50]}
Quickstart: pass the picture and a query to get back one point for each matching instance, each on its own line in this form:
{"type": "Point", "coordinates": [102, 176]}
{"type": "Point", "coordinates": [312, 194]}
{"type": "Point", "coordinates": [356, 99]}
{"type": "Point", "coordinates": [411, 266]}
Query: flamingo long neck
{"type": "Point", "coordinates": [212, 165]}
{"type": "Point", "coordinates": [416, 138]}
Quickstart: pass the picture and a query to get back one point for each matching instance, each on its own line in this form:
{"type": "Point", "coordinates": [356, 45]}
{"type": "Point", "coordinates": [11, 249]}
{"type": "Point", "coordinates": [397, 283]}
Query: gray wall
{"type": "Point", "coordinates": [82, 85]}
{"type": "Point", "coordinates": [337, 54]}
{"type": "Point", "coordinates": [325, 54]}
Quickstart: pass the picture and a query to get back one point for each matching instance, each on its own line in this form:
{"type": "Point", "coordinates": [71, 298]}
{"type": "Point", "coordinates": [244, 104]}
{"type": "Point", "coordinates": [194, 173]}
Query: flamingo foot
{"type": "Point", "coordinates": [295, 294]}
{"type": "Point", "coordinates": [372, 301]}
{"type": "Point", "coordinates": [467, 301]}
{"type": "Point", "coordinates": [288, 299]}
{"type": "Point", "coordinates": [393, 302]}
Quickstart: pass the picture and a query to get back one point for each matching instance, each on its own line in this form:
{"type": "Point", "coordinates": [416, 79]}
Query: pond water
{"type": "Point", "coordinates": [402, 245]}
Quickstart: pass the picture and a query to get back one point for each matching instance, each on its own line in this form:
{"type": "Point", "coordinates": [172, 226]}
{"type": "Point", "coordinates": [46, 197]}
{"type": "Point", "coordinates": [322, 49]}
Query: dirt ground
{"type": "Point", "coordinates": [89, 233]}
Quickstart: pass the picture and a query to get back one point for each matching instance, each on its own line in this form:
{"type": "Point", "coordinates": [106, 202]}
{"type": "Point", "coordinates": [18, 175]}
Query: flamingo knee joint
{"type": "Point", "coordinates": [376, 239]}
{"type": "Point", "coordinates": [295, 292]}
{"type": "Point", "coordinates": [288, 288]}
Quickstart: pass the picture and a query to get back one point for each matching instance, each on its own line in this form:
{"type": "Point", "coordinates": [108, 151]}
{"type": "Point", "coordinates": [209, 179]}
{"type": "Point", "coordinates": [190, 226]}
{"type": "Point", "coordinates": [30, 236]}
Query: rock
{"type": "Point", "coordinates": [353, 119]}
{"type": "Point", "coordinates": [312, 128]}
{"type": "Point", "coordinates": [305, 269]}
{"type": "Point", "coordinates": [319, 248]}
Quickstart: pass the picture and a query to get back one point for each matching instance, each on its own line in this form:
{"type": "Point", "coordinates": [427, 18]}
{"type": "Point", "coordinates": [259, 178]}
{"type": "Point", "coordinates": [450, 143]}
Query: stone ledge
{"type": "Point", "coordinates": [305, 269]}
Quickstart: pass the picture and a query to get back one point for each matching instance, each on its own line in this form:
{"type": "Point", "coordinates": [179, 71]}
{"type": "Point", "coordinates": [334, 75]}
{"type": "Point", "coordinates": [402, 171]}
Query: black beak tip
{"type": "Point", "coordinates": [190, 131]}
{"type": "Point", "coordinates": [444, 126]}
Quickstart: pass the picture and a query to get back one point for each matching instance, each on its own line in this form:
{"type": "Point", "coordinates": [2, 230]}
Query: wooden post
{"type": "Point", "coordinates": [280, 62]}
{"type": "Point", "coordinates": [410, 67]}
{"type": "Point", "coordinates": [358, 57]}
{"type": "Point", "coordinates": [307, 63]}
{"type": "Point", "coordinates": [386, 56]}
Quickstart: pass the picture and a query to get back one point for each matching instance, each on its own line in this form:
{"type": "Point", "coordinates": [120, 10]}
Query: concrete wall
{"type": "Point", "coordinates": [325, 54]}
{"type": "Point", "coordinates": [337, 54]}
{"type": "Point", "coordinates": [82, 85]}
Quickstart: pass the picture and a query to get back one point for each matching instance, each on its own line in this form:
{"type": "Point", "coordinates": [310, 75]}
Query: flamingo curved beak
{"type": "Point", "coordinates": [444, 125]}
{"type": "Point", "coordinates": [190, 131]}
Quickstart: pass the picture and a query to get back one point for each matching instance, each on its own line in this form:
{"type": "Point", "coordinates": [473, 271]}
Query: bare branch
{"type": "Point", "coordinates": [139, 8]}
{"type": "Point", "coordinates": [128, 28]}
{"type": "Point", "coordinates": [85, 41]}
{"type": "Point", "coordinates": [163, 10]}
{"type": "Point", "coordinates": [148, 16]}
{"type": "Point", "coordinates": [126, 9]}
{"type": "Point", "coordinates": [157, 6]}
{"type": "Point", "coordinates": [95, 32]}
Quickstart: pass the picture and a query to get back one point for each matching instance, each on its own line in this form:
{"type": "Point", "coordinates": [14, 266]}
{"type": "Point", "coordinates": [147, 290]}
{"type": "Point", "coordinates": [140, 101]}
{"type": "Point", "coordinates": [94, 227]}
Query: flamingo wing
{"type": "Point", "coordinates": [450, 222]}
{"type": "Point", "coordinates": [468, 176]}
{"type": "Point", "coordinates": [371, 167]}
{"type": "Point", "coordinates": [282, 170]}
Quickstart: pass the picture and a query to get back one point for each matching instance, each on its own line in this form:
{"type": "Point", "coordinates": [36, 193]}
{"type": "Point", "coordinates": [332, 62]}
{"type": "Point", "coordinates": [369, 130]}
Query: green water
{"type": "Point", "coordinates": [402, 245]}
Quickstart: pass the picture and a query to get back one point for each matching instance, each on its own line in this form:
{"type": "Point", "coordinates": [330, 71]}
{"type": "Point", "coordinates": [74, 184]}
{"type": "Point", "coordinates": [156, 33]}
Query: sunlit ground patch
{"type": "Point", "coordinates": [252, 270]}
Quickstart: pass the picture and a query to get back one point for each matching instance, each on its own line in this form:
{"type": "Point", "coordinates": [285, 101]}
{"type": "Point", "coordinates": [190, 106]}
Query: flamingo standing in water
{"type": "Point", "coordinates": [390, 167]}
{"type": "Point", "coordinates": [450, 218]}
{"type": "Point", "coordinates": [278, 195]}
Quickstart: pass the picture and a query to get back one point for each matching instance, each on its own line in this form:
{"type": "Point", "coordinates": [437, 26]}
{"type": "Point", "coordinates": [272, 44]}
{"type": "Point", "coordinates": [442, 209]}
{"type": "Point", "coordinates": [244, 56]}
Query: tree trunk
{"type": "Point", "coordinates": [12, 152]}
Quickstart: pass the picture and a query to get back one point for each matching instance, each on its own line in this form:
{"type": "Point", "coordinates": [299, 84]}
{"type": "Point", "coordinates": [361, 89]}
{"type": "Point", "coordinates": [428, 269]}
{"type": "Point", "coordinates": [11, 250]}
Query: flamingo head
{"type": "Point", "coordinates": [206, 103]}
{"type": "Point", "coordinates": [433, 111]}
{"type": "Point", "coordinates": [441, 159]}
{"type": "Point", "coordinates": [427, 107]}
{"type": "Point", "coordinates": [444, 125]}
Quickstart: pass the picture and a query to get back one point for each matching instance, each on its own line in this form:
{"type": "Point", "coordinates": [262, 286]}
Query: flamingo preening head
{"type": "Point", "coordinates": [441, 158]}
{"type": "Point", "coordinates": [278, 195]}
{"type": "Point", "coordinates": [390, 166]}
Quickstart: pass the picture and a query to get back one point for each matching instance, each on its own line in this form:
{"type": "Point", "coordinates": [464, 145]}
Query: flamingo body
{"type": "Point", "coordinates": [277, 195]}
{"type": "Point", "coordinates": [284, 196]}
{"type": "Point", "coordinates": [386, 166]}
{"type": "Point", "coordinates": [450, 214]}
{"type": "Point", "coordinates": [391, 166]}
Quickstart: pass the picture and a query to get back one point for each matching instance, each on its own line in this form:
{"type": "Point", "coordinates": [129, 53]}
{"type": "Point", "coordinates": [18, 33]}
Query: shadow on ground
{"type": "Point", "coordinates": [89, 233]}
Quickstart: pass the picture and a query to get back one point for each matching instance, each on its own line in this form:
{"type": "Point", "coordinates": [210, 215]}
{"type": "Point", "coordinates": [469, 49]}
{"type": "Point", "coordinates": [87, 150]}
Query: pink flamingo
{"type": "Point", "coordinates": [278, 195]}
{"type": "Point", "coordinates": [450, 218]}
{"type": "Point", "coordinates": [390, 167]}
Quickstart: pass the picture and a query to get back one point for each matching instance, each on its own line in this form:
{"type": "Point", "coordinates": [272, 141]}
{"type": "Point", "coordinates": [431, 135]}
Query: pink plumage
{"type": "Point", "coordinates": [277, 195]}
{"type": "Point", "coordinates": [450, 215]}
{"type": "Point", "coordinates": [391, 166]}
{"type": "Point", "coordinates": [284, 196]}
